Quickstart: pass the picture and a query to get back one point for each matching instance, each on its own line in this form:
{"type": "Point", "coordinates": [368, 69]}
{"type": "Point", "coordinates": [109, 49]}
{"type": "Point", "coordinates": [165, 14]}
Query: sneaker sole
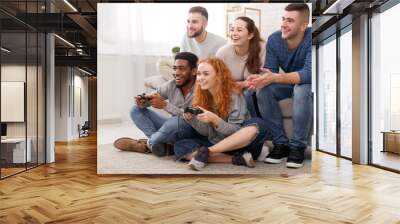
{"type": "Point", "coordinates": [273, 161]}
{"type": "Point", "coordinates": [294, 165]}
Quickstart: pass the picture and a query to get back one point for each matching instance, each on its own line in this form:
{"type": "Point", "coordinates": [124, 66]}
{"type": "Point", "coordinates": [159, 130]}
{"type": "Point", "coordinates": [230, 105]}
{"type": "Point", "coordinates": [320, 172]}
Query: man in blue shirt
{"type": "Point", "coordinates": [290, 50]}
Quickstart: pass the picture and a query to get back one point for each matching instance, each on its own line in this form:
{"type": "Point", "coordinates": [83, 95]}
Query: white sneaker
{"type": "Point", "coordinates": [264, 153]}
{"type": "Point", "coordinates": [196, 165]}
{"type": "Point", "coordinates": [248, 159]}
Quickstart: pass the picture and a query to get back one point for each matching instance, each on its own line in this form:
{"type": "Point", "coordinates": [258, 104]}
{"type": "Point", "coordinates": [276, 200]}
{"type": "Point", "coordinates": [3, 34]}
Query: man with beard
{"type": "Point", "coordinates": [197, 40]}
{"type": "Point", "coordinates": [290, 50]}
{"type": "Point", "coordinates": [158, 128]}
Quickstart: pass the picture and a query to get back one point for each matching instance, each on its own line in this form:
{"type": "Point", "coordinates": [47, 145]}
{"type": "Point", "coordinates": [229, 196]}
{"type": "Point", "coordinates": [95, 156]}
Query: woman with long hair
{"type": "Point", "coordinates": [225, 133]}
{"type": "Point", "coordinates": [245, 54]}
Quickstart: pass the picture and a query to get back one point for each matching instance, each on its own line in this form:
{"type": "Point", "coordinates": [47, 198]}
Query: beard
{"type": "Point", "coordinates": [196, 34]}
{"type": "Point", "coordinates": [186, 82]}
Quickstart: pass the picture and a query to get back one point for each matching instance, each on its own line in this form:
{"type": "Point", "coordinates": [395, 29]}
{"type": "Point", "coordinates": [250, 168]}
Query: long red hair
{"type": "Point", "coordinates": [220, 103]}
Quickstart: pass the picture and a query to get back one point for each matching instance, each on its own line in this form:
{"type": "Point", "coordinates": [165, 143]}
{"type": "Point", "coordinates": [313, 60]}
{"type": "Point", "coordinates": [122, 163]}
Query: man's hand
{"type": "Point", "coordinates": [257, 82]}
{"type": "Point", "coordinates": [157, 101]}
{"type": "Point", "coordinates": [208, 117]}
{"type": "Point", "coordinates": [140, 102]}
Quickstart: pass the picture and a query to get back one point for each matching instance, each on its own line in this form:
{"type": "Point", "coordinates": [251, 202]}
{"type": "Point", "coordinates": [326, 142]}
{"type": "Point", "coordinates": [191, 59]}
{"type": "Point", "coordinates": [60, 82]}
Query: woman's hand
{"type": "Point", "coordinates": [242, 84]}
{"type": "Point", "coordinates": [208, 117]}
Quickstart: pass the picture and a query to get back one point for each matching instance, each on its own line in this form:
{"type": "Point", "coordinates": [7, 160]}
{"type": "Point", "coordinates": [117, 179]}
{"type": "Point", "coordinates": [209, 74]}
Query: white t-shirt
{"type": "Point", "coordinates": [204, 49]}
{"type": "Point", "coordinates": [236, 63]}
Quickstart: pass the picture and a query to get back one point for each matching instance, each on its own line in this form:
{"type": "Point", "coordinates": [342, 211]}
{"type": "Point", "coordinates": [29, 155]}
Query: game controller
{"type": "Point", "coordinates": [144, 97]}
{"type": "Point", "coordinates": [193, 110]}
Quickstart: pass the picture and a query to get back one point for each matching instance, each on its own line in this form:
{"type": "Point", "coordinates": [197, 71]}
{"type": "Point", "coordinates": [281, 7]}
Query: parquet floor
{"type": "Point", "coordinates": [70, 191]}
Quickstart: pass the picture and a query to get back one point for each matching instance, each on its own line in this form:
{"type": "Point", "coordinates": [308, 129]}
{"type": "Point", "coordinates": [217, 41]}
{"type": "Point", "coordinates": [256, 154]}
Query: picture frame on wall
{"type": "Point", "coordinates": [255, 15]}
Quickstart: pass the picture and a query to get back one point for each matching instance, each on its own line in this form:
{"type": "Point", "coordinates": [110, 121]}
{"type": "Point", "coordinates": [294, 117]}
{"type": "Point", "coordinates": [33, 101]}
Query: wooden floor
{"type": "Point", "coordinates": [70, 191]}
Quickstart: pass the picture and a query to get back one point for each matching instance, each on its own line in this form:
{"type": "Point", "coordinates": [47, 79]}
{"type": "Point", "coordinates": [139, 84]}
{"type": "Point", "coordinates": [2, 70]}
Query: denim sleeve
{"type": "Point", "coordinates": [271, 57]}
{"type": "Point", "coordinates": [305, 72]}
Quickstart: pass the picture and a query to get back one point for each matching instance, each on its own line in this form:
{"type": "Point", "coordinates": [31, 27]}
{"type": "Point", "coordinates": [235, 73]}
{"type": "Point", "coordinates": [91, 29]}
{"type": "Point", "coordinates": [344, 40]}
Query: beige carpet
{"type": "Point", "coordinates": [113, 161]}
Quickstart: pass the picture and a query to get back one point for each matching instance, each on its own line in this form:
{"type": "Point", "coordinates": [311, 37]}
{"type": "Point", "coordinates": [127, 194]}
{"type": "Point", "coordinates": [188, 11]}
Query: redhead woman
{"type": "Point", "coordinates": [224, 132]}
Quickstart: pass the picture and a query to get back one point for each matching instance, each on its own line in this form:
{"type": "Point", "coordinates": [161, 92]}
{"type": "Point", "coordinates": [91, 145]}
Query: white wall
{"type": "Point", "coordinates": [17, 73]}
{"type": "Point", "coordinates": [61, 103]}
{"type": "Point", "coordinates": [120, 78]}
{"type": "Point", "coordinates": [149, 29]}
{"type": "Point", "coordinates": [33, 126]}
{"type": "Point", "coordinates": [68, 80]}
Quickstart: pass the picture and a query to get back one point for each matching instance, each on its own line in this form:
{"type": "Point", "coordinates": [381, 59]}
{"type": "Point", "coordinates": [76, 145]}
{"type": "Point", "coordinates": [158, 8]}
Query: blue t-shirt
{"type": "Point", "coordinates": [295, 60]}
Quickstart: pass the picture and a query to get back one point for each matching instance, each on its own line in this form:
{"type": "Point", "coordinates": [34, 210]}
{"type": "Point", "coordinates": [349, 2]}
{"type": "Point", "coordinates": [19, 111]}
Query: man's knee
{"type": "Point", "coordinates": [171, 125]}
{"type": "Point", "coordinates": [135, 109]}
{"type": "Point", "coordinates": [302, 91]}
{"type": "Point", "coordinates": [267, 92]}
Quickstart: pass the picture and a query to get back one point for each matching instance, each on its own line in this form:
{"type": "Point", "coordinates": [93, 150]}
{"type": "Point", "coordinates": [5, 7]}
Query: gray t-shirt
{"type": "Point", "coordinates": [176, 101]}
{"type": "Point", "coordinates": [204, 49]}
{"type": "Point", "coordinates": [233, 123]}
{"type": "Point", "coordinates": [236, 63]}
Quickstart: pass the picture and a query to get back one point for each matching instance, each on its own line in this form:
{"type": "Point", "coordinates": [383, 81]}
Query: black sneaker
{"type": "Point", "coordinates": [162, 149]}
{"type": "Point", "coordinates": [277, 154]}
{"type": "Point", "coordinates": [295, 158]}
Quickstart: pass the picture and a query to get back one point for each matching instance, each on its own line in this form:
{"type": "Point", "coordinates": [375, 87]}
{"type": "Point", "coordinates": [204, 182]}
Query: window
{"type": "Point", "coordinates": [385, 85]}
{"type": "Point", "coordinates": [346, 93]}
{"type": "Point", "coordinates": [327, 96]}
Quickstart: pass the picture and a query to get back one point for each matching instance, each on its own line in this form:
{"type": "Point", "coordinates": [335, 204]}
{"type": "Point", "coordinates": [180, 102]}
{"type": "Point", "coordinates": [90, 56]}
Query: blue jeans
{"type": "Point", "coordinates": [160, 129]}
{"type": "Point", "coordinates": [268, 99]}
{"type": "Point", "coordinates": [248, 95]}
{"type": "Point", "coordinates": [189, 145]}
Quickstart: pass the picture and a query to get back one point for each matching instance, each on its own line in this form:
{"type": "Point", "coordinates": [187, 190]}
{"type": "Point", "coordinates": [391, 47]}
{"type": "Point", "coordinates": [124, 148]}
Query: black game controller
{"type": "Point", "coordinates": [144, 97]}
{"type": "Point", "coordinates": [193, 110]}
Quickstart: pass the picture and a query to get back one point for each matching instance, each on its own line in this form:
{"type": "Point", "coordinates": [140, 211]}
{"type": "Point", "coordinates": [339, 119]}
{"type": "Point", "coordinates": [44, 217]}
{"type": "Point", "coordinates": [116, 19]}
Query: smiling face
{"type": "Point", "coordinates": [206, 76]}
{"type": "Point", "coordinates": [182, 72]}
{"type": "Point", "coordinates": [239, 33]}
{"type": "Point", "coordinates": [196, 25]}
{"type": "Point", "coordinates": [292, 24]}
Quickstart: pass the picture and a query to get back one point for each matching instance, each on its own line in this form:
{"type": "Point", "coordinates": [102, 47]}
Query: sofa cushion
{"type": "Point", "coordinates": [153, 82]}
